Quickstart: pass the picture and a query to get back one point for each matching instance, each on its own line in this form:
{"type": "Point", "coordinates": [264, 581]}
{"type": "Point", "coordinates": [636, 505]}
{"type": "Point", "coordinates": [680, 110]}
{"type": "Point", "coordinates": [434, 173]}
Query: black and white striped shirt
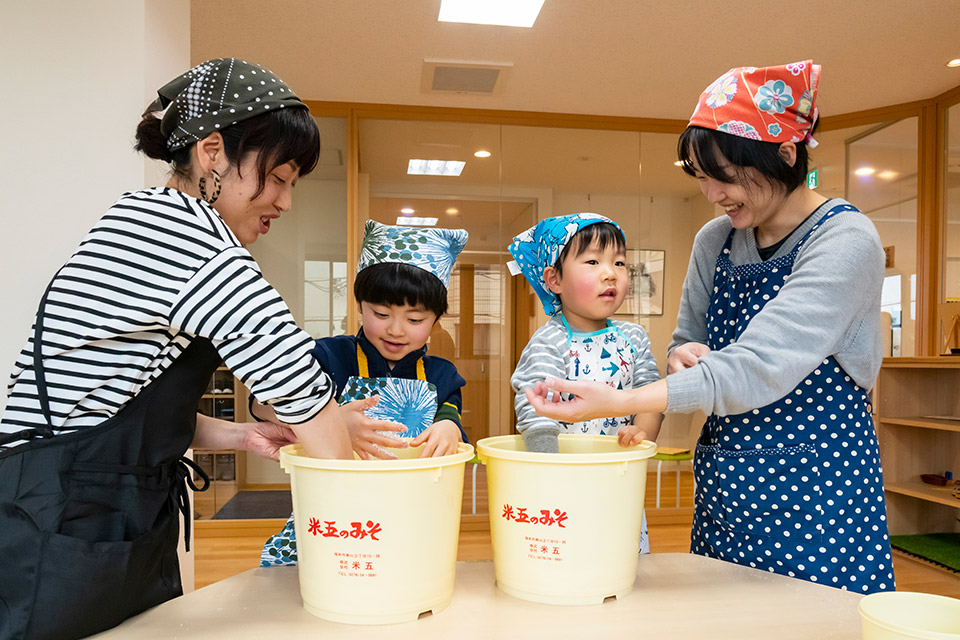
{"type": "Point", "coordinates": [159, 269]}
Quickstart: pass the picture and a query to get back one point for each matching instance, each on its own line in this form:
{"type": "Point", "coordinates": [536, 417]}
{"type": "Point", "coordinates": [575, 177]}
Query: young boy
{"type": "Point", "coordinates": [401, 292]}
{"type": "Point", "coordinates": [576, 264]}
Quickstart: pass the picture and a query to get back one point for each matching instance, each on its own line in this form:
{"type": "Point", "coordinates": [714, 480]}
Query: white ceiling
{"type": "Point", "coordinates": [640, 58]}
{"type": "Point", "coordinates": [636, 58]}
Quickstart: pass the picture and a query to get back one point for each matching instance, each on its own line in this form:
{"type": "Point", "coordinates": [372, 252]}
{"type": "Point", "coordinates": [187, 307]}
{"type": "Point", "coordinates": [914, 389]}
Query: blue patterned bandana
{"type": "Point", "coordinates": [539, 247]}
{"type": "Point", "coordinates": [430, 248]}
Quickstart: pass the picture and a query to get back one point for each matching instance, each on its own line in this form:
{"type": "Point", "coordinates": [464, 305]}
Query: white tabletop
{"type": "Point", "coordinates": [675, 596]}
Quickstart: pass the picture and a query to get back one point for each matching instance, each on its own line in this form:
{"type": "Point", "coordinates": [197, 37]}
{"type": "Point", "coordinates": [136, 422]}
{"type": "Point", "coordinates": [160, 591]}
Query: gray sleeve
{"type": "Point", "coordinates": [698, 284]}
{"type": "Point", "coordinates": [834, 285]}
{"type": "Point", "coordinates": [541, 358]}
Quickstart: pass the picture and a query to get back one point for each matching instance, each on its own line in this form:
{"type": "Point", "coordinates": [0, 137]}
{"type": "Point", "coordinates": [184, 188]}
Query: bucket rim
{"type": "Point", "coordinates": [290, 457]}
{"type": "Point", "coordinates": [487, 448]}
{"type": "Point", "coordinates": [877, 600]}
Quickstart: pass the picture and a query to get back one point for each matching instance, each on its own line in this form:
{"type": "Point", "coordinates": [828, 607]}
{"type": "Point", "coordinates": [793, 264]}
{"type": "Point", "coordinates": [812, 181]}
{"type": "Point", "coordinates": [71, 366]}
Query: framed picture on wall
{"type": "Point", "coordinates": [645, 284]}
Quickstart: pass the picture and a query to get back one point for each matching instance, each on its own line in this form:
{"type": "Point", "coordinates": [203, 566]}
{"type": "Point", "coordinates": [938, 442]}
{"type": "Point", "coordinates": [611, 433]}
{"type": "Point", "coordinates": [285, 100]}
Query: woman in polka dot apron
{"type": "Point", "coordinates": [778, 341]}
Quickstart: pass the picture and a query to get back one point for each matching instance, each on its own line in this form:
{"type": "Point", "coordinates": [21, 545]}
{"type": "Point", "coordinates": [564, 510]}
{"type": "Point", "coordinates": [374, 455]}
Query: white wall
{"type": "Point", "coordinates": [76, 77]}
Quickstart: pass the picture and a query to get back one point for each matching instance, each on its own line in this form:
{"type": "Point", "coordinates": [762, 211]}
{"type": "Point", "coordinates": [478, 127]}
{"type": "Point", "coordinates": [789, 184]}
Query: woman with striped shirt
{"type": "Point", "coordinates": [102, 399]}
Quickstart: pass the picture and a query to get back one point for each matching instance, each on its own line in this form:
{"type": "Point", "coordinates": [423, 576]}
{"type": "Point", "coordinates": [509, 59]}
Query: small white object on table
{"type": "Point", "coordinates": [676, 596]}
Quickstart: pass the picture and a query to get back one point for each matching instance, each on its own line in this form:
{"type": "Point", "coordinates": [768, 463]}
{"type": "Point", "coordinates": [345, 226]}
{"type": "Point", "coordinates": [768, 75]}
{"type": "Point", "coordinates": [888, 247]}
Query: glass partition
{"type": "Point", "coordinates": [528, 173]}
{"type": "Point", "coordinates": [874, 167]}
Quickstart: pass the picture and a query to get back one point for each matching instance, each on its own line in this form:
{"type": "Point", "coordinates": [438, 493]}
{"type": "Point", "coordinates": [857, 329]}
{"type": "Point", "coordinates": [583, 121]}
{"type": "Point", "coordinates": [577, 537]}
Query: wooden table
{"type": "Point", "coordinates": [676, 596]}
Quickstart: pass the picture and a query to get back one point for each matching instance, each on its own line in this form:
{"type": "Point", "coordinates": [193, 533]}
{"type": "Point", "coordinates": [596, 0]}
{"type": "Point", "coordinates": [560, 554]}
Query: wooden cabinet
{"type": "Point", "coordinates": [224, 399]}
{"type": "Point", "coordinates": [917, 407]}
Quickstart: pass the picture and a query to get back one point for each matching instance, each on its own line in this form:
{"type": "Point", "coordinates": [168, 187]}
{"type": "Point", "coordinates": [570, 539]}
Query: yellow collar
{"type": "Point", "coordinates": [365, 370]}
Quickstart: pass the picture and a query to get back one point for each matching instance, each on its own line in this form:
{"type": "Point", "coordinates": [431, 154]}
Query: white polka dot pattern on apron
{"type": "Point", "coordinates": [794, 487]}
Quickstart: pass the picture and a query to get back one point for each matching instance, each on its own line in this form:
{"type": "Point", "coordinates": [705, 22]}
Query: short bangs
{"type": "Point", "coordinates": [705, 147]}
{"type": "Point", "coordinates": [279, 137]}
{"type": "Point", "coordinates": [396, 284]}
{"type": "Point", "coordinates": [600, 236]}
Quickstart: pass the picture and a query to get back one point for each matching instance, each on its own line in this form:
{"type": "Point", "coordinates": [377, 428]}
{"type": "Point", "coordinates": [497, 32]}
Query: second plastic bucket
{"type": "Point", "coordinates": [565, 526]}
{"type": "Point", "coordinates": [376, 539]}
{"type": "Point", "coordinates": [905, 615]}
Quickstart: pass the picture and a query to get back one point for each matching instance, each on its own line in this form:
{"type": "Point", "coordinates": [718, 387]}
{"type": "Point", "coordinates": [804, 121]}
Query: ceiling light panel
{"type": "Point", "coordinates": [503, 13]}
{"type": "Point", "coordinates": [417, 167]}
{"type": "Point", "coordinates": [412, 221]}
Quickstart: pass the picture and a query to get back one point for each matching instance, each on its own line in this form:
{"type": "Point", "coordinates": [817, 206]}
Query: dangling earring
{"type": "Point", "coordinates": [211, 197]}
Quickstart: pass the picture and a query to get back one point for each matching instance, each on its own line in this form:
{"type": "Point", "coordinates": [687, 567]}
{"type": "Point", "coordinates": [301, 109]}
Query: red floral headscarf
{"type": "Point", "coordinates": [773, 104]}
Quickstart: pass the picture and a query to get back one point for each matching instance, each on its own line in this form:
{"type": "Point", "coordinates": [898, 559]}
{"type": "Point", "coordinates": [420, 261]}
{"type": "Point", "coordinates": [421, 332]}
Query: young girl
{"type": "Point", "coordinates": [576, 265]}
{"type": "Point", "coordinates": [401, 292]}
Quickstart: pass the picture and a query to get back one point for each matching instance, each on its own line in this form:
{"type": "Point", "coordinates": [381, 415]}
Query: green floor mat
{"type": "Point", "coordinates": [941, 548]}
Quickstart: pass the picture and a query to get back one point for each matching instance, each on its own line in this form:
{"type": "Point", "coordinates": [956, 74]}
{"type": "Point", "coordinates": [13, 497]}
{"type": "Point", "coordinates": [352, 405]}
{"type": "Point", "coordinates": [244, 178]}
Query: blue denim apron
{"type": "Point", "coordinates": [795, 487]}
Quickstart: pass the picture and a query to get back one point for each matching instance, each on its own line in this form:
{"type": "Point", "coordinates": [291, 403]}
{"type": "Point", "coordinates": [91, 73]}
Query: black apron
{"type": "Point", "coordinates": [89, 520]}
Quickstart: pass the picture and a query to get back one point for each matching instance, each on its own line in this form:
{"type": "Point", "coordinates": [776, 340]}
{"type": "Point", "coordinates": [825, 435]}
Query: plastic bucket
{"type": "Point", "coordinates": [903, 615]}
{"type": "Point", "coordinates": [376, 539]}
{"type": "Point", "coordinates": [565, 527]}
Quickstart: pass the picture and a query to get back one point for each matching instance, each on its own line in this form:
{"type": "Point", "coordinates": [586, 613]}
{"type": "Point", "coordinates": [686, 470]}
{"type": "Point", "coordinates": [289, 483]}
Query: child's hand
{"type": "Point", "coordinates": [439, 439]}
{"type": "Point", "coordinates": [363, 431]}
{"type": "Point", "coordinates": [631, 435]}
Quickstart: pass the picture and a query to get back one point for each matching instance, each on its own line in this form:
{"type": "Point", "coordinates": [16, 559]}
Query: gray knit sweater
{"type": "Point", "coordinates": [829, 306]}
{"type": "Point", "coordinates": [547, 355]}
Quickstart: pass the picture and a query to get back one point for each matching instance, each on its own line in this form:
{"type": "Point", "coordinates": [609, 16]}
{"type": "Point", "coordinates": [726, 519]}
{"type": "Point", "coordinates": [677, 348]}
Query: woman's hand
{"type": "Point", "coordinates": [364, 439]}
{"type": "Point", "coordinates": [594, 399]}
{"type": "Point", "coordinates": [686, 355]}
{"type": "Point", "coordinates": [439, 439]}
{"type": "Point", "coordinates": [590, 400]}
{"type": "Point", "coordinates": [266, 438]}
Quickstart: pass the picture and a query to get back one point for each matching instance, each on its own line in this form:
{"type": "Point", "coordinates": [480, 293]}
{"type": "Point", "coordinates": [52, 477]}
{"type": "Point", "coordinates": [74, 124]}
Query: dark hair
{"type": "Point", "coordinates": [704, 144]}
{"type": "Point", "coordinates": [600, 235]}
{"type": "Point", "coordinates": [277, 137]}
{"type": "Point", "coordinates": [395, 283]}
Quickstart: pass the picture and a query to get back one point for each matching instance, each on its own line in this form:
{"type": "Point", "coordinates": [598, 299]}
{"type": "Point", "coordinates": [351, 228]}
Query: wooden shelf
{"type": "Point", "coordinates": [910, 444]}
{"type": "Point", "coordinates": [923, 491]}
{"type": "Point", "coordinates": [923, 423]}
{"type": "Point", "coordinates": [933, 362]}
{"type": "Point", "coordinates": [229, 462]}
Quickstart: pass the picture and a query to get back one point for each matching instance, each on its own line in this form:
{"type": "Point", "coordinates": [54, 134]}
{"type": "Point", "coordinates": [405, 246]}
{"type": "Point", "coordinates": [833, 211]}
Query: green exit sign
{"type": "Point", "coordinates": [812, 182]}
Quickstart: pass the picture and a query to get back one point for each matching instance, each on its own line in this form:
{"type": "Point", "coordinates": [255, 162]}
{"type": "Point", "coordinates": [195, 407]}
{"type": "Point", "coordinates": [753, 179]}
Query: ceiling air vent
{"type": "Point", "coordinates": [463, 77]}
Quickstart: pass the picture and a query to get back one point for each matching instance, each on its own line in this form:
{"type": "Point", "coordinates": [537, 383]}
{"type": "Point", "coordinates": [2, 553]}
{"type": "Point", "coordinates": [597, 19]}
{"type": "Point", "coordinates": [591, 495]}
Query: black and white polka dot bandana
{"type": "Point", "coordinates": [216, 94]}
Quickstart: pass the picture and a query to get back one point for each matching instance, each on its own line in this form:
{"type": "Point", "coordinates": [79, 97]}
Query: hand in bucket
{"type": "Point", "coordinates": [365, 438]}
{"type": "Point", "coordinates": [439, 439]}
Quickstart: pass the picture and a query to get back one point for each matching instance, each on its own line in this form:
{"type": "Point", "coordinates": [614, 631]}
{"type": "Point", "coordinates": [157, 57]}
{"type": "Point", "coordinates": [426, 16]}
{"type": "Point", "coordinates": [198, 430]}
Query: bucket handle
{"type": "Point", "coordinates": [623, 468]}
